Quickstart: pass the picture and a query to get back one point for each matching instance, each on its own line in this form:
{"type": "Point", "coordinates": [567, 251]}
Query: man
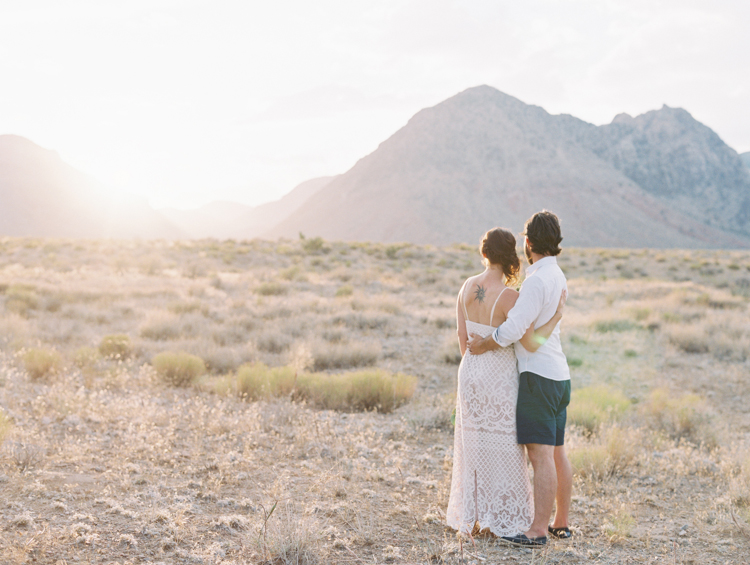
{"type": "Point", "coordinates": [544, 382]}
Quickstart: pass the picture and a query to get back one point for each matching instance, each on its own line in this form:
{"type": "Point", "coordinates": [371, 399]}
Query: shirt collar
{"type": "Point", "coordinates": [549, 260]}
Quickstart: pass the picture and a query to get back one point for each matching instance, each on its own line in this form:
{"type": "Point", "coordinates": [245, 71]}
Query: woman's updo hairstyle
{"type": "Point", "coordinates": [499, 247]}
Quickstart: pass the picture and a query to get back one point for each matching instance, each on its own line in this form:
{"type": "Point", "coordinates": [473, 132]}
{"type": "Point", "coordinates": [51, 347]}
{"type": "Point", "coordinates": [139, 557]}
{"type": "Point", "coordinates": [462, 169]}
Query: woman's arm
{"type": "Point", "coordinates": [461, 323]}
{"type": "Point", "coordinates": [533, 339]}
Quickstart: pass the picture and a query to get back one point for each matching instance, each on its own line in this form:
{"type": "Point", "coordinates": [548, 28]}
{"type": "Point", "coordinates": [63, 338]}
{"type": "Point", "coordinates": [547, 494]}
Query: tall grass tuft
{"type": "Point", "coordinates": [178, 368]}
{"type": "Point", "coordinates": [256, 381]}
{"type": "Point", "coordinates": [680, 417]}
{"type": "Point", "coordinates": [609, 455]}
{"type": "Point", "coordinates": [361, 390]}
{"type": "Point", "coordinates": [591, 406]}
{"type": "Point", "coordinates": [117, 346]}
{"type": "Point", "coordinates": [355, 391]}
{"type": "Point", "coordinates": [20, 298]}
{"type": "Point", "coordinates": [41, 363]}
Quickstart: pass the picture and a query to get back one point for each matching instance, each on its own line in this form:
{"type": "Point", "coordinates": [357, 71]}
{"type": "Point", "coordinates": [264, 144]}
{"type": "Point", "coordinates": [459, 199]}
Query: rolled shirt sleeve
{"type": "Point", "coordinates": [526, 310]}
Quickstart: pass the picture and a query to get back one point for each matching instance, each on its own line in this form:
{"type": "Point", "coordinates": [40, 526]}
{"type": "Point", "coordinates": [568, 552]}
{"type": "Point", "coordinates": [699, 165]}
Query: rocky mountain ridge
{"type": "Point", "coordinates": [484, 158]}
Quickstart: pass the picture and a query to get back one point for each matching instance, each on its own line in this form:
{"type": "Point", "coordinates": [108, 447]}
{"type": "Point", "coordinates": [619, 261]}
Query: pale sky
{"type": "Point", "coordinates": [189, 101]}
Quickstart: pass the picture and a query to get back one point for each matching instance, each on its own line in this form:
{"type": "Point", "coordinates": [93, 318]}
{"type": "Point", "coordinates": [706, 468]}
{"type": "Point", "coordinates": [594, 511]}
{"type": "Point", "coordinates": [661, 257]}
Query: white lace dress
{"type": "Point", "coordinates": [490, 483]}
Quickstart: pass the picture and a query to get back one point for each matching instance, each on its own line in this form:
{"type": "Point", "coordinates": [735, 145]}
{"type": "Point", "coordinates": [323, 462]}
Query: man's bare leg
{"type": "Point", "coordinates": [545, 486]}
{"type": "Point", "coordinates": [564, 488]}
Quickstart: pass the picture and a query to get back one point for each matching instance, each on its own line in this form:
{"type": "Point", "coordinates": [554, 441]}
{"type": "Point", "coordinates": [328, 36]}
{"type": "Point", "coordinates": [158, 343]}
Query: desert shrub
{"type": "Point", "coordinates": [343, 355]}
{"type": "Point", "coordinates": [374, 389]}
{"type": "Point", "coordinates": [257, 381]}
{"type": "Point", "coordinates": [344, 290]}
{"type": "Point", "coordinates": [293, 273]}
{"type": "Point", "coordinates": [178, 368]}
{"type": "Point", "coordinates": [223, 359]}
{"type": "Point", "coordinates": [614, 325]}
{"type": "Point", "coordinates": [361, 321]}
{"type": "Point", "coordinates": [41, 363]}
{"type": "Point", "coordinates": [314, 245]}
{"type": "Point", "coordinates": [442, 323]}
{"type": "Point", "coordinates": [116, 346]}
{"type": "Point", "coordinates": [589, 461]}
{"type": "Point", "coordinates": [619, 525]}
{"type": "Point", "coordinates": [20, 299]}
{"type": "Point", "coordinates": [188, 307]}
{"type": "Point", "coordinates": [291, 538]}
{"type": "Point", "coordinates": [273, 342]}
{"type": "Point", "coordinates": [681, 417]}
{"type": "Point", "coordinates": [689, 339]}
{"type": "Point", "coordinates": [271, 288]}
{"type": "Point", "coordinates": [594, 405]}
{"type": "Point", "coordinates": [229, 335]}
{"type": "Point", "coordinates": [15, 331]}
{"type": "Point", "coordinates": [86, 357]}
{"type": "Point", "coordinates": [449, 351]}
{"type": "Point", "coordinates": [5, 426]}
{"type": "Point", "coordinates": [613, 451]}
{"type": "Point", "coordinates": [162, 327]}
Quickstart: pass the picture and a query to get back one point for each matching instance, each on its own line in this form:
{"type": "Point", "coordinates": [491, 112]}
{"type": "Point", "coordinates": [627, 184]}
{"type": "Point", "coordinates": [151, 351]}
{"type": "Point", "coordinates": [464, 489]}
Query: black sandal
{"type": "Point", "coordinates": [560, 533]}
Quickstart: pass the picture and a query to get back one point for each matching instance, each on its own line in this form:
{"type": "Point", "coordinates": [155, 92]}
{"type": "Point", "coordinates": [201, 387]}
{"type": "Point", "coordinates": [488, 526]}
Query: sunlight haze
{"type": "Point", "coordinates": [193, 101]}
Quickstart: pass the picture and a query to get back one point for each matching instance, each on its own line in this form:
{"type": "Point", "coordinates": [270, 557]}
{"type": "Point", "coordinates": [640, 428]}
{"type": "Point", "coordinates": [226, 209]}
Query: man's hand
{"type": "Point", "coordinates": [478, 344]}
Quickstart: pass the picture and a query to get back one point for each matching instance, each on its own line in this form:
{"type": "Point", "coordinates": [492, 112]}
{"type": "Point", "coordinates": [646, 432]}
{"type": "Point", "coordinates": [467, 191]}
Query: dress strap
{"type": "Point", "coordinates": [492, 313]}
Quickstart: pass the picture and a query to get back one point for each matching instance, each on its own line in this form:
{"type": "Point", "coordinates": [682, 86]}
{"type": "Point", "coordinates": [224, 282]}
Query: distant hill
{"type": "Point", "coordinates": [745, 158]}
{"type": "Point", "coordinates": [42, 196]}
{"type": "Point", "coordinates": [237, 221]}
{"type": "Point", "coordinates": [483, 158]}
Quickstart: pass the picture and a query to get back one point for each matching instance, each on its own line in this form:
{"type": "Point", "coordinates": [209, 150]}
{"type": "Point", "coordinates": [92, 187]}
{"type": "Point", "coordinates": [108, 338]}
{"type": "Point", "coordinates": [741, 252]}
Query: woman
{"type": "Point", "coordinates": [490, 487]}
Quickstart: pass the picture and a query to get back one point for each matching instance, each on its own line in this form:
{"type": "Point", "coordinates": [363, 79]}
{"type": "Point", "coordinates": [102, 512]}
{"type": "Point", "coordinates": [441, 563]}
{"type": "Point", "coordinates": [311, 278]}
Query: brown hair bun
{"type": "Point", "coordinates": [499, 247]}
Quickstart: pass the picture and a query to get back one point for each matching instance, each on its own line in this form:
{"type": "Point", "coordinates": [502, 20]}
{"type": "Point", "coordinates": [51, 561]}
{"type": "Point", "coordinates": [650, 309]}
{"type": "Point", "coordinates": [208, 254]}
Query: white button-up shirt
{"type": "Point", "coordinates": [537, 303]}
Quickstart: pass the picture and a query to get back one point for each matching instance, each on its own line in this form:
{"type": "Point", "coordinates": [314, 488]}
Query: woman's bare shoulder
{"type": "Point", "coordinates": [471, 280]}
{"type": "Point", "coordinates": [509, 297]}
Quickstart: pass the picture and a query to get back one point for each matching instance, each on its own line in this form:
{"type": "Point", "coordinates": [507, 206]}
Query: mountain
{"type": "Point", "coordinates": [746, 158]}
{"type": "Point", "coordinates": [237, 221]}
{"type": "Point", "coordinates": [680, 161]}
{"type": "Point", "coordinates": [42, 196]}
{"type": "Point", "coordinates": [266, 216]}
{"type": "Point", "coordinates": [483, 158]}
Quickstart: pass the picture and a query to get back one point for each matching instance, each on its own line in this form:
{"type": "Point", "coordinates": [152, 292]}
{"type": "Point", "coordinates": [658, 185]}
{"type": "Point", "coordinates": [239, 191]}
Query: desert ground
{"type": "Point", "coordinates": [187, 402]}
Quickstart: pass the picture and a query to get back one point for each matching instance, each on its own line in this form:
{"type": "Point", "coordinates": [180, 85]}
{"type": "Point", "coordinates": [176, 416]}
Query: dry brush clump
{"type": "Point", "coordinates": [178, 368]}
{"type": "Point", "coordinates": [592, 406]}
{"type": "Point", "coordinates": [41, 363]}
{"type": "Point", "coordinates": [351, 391]}
{"type": "Point", "coordinates": [681, 417]}
{"type": "Point", "coordinates": [117, 346]}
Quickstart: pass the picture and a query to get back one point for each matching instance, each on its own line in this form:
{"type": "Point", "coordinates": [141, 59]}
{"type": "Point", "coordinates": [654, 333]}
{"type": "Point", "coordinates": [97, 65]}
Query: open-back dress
{"type": "Point", "coordinates": [490, 483]}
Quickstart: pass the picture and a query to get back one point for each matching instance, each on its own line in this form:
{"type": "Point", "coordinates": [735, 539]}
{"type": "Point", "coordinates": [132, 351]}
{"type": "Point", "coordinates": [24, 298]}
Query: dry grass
{"type": "Point", "coordinates": [41, 363]}
{"type": "Point", "coordinates": [106, 464]}
{"type": "Point", "coordinates": [178, 368]}
{"type": "Point", "coordinates": [592, 406]}
{"type": "Point", "coordinates": [5, 427]}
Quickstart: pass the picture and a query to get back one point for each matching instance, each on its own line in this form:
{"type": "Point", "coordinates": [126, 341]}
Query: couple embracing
{"type": "Point", "coordinates": [502, 415]}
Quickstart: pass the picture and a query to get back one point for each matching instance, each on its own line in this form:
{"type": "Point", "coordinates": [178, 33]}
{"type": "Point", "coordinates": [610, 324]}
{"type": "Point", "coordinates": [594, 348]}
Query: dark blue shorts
{"type": "Point", "coordinates": [542, 409]}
